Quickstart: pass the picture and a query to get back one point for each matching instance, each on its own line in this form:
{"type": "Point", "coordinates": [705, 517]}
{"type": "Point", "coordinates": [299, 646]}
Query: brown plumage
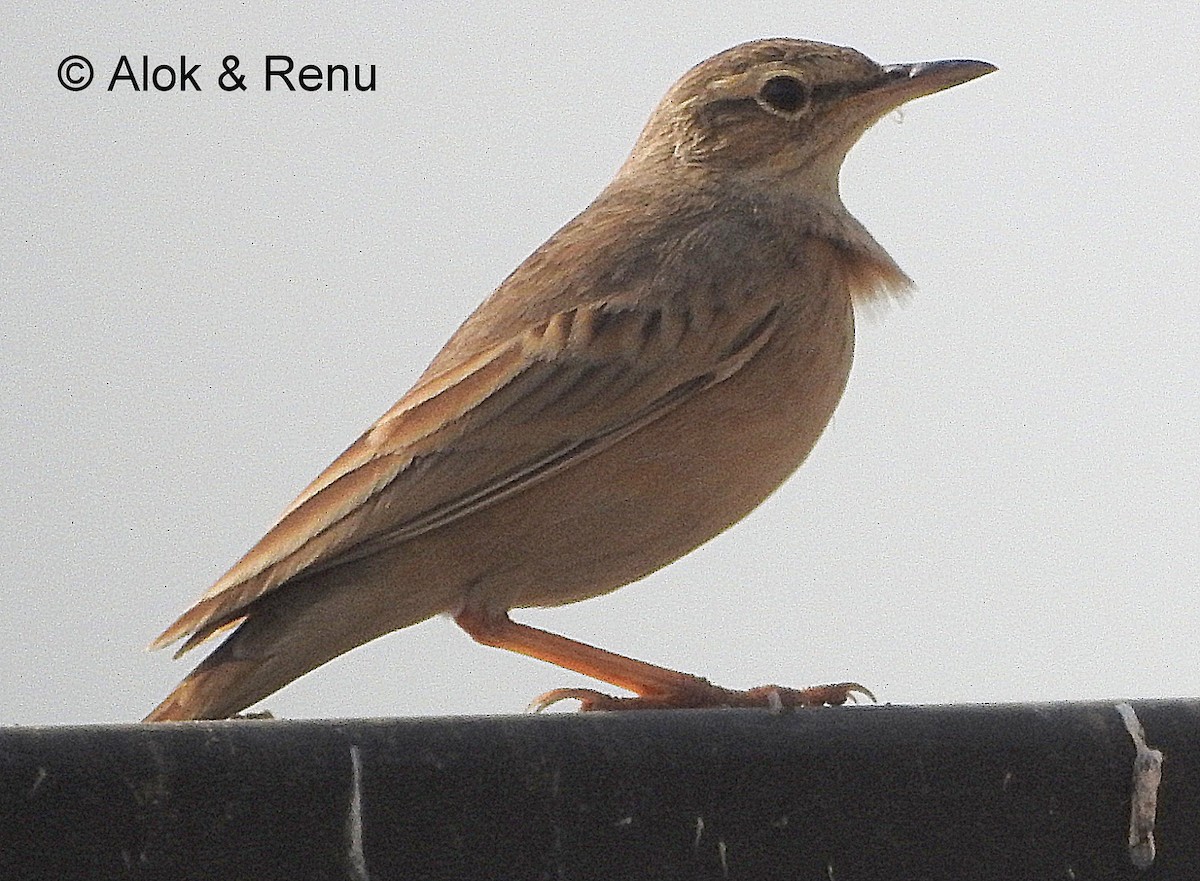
{"type": "Point", "coordinates": [641, 382]}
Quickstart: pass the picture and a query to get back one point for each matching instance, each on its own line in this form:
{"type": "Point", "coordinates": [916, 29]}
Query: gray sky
{"type": "Point", "coordinates": [209, 295]}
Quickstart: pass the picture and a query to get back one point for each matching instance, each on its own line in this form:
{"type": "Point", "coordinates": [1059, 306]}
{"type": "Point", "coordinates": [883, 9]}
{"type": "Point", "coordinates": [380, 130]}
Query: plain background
{"type": "Point", "coordinates": [207, 296]}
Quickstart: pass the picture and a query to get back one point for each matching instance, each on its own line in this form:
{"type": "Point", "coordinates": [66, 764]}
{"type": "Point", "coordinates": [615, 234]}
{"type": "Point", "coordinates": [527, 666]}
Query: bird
{"type": "Point", "coordinates": [641, 382]}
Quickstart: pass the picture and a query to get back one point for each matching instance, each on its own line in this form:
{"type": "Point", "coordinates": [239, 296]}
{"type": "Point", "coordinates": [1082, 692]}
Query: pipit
{"type": "Point", "coordinates": [640, 383]}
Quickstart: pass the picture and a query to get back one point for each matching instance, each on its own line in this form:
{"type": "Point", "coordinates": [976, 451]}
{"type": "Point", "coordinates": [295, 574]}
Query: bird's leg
{"type": "Point", "coordinates": [500, 631]}
{"type": "Point", "coordinates": [655, 687]}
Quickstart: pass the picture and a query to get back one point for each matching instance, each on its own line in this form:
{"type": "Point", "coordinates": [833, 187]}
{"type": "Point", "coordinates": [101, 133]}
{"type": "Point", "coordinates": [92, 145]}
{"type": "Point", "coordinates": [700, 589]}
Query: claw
{"type": "Point", "coordinates": [853, 688]}
{"type": "Point", "coordinates": [261, 714]}
{"type": "Point", "coordinates": [589, 699]}
{"type": "Point", "coordinates": [817, 696]}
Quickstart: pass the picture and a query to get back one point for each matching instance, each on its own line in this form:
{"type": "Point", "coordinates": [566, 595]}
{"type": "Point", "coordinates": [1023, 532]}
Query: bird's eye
{"type": "Point", "coordinates": [784, 95]}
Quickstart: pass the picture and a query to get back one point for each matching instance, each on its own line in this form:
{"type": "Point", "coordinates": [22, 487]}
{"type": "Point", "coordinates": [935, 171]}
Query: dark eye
{"type": "Point", "coordinates": [784, 95]}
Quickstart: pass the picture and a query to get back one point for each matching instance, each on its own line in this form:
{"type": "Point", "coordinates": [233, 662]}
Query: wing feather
{"type": "Point", "coordinates": [485, 428]}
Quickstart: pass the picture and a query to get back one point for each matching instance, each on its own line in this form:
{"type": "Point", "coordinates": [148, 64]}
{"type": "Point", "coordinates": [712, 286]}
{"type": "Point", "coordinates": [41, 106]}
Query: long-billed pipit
{"type": "Point", "coordinates": [640, 383]}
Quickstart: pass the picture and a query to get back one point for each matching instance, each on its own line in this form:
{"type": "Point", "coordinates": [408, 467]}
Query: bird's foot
{"type": "Point", "coordinates": [699, 693]}
{"type": "Point", "coordinates": [258, 714]}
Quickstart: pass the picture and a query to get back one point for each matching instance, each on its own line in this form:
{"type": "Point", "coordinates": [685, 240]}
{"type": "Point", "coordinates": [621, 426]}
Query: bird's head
{"type": "Point", "coordinates": [784, 110]}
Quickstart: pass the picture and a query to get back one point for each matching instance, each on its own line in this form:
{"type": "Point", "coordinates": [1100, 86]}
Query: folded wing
{"type": "Point", "coordinates": [491, 425]}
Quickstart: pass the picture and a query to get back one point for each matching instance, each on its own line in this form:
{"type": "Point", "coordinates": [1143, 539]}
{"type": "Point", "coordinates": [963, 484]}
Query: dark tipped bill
{"type": "Point", "coordinates": [903, 82]}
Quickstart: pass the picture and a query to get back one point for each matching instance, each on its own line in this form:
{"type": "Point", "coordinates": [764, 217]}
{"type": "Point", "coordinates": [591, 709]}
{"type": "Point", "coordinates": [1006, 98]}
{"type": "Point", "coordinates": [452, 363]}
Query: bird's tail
{"type": "Point", "coordinates": [217, 689]}
{"type": "Point", "coordinates": [286, 634]}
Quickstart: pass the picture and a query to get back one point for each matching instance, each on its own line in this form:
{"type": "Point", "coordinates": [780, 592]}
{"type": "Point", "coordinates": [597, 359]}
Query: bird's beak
{"type": "Point", "coordinates": [903, 82]}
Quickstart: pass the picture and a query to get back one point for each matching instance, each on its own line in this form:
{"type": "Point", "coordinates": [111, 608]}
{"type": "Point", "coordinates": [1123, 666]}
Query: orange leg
{"type": "Point", "coordinates": [656, 687]}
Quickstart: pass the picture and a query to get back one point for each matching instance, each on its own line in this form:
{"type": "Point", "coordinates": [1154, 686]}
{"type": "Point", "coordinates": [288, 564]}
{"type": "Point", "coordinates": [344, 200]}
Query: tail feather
{"type": "Point", "coordinates": [289, 632]}
{"type": "Point", "coordinates": [214, 690]}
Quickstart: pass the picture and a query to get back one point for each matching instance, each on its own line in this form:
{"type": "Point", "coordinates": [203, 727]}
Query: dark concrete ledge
{"type": "Point", "coordinates": [1006, 792]}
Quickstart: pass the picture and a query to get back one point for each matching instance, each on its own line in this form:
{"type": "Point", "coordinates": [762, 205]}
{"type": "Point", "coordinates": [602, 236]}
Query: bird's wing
{"type": "Point", "coordinates": [487, 427]}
